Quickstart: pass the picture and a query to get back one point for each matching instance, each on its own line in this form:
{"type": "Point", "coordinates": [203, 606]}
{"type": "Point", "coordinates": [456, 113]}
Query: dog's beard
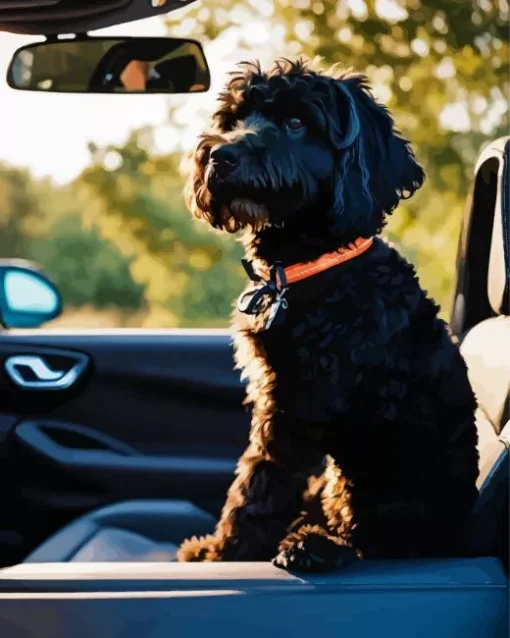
{"type": "Point", "coordinates": [244, 207]}
{"type": "Point", "coordinates": [233, 209]}
{"type": "Point", "coordinates": [248, 213]}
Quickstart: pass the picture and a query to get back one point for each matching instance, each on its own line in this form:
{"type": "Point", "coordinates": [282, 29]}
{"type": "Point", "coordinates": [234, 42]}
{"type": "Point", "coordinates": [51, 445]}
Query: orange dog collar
{"type": "Point", "coordinates": [276, 287]}
{"type": "Point", "coordinates": [298, 272]}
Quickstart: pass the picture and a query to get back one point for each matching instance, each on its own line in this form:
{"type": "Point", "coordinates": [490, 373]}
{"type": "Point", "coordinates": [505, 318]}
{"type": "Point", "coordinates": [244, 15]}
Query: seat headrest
{"type": "Point", "coordinates": [497, 276]}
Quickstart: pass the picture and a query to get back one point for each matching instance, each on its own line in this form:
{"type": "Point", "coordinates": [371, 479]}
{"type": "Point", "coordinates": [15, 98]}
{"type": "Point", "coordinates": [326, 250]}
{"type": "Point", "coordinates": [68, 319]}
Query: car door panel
{"type": "Point", "coordinates": [437, 597]}
{"type": "Point", "coordinates": [155, 414]}
{"type": "Point", "coordinates": [113, 466]}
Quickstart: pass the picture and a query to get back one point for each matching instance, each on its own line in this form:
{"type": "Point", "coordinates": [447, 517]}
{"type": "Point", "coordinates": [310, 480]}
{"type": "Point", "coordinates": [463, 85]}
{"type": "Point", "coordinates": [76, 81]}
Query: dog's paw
{"type": "Point", "coordinates": [315, 554]}
{"type": "Point", "coordinates": [196, 550]}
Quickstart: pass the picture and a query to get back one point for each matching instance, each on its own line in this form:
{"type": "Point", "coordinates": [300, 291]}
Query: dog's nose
{"type": "Point", "coordinates": [225, 160]}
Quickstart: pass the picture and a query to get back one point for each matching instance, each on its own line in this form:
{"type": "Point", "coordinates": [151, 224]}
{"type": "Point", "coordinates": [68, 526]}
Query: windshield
{"type": "Point", "coordinates": [90, 187]}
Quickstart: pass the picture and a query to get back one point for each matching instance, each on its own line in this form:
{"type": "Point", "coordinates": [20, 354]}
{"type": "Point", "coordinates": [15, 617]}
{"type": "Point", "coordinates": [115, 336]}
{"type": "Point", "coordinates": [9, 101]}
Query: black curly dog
{"type": "Point", "coordinates": [356, 382]}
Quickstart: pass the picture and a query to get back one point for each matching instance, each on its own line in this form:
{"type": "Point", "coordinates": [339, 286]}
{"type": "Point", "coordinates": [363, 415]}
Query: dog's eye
{"type": "Point", "coordinates": [295, 124]}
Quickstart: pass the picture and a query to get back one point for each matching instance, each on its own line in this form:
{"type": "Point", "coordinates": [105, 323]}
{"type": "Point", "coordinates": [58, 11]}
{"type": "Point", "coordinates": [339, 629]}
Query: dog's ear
{"type": "Point", "coordinates": [395, 173]}
{"type": "Point", "coordinates": [378, 168]}
{"type": "Point", "coordinates": [344, 125]}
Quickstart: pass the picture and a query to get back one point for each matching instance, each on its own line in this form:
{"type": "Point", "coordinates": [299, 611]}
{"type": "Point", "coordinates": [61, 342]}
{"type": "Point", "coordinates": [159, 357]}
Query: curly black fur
{"type": "Point", "coordinates": [362, 372]}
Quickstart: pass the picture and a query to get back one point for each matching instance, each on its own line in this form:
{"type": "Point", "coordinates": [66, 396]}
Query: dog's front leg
{"type": "Point", "coordinates": [261, 504]}
{"type": "Point", "coordinates": [326, 545]}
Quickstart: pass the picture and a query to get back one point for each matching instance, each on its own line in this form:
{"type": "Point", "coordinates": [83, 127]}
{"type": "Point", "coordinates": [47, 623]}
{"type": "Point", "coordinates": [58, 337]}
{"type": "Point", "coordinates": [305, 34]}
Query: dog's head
{"type": "Point", "coordinates": [296, 145]}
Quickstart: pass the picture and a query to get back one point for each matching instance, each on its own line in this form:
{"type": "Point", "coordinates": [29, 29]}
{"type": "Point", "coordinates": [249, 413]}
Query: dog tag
{"type": "Point", "coordinates": [273, 290]}
{"type": "Point", "coordinates": [277, 312]}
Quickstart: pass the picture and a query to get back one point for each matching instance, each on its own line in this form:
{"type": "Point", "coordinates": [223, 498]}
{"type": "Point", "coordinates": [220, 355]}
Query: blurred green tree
{"type": "Point", "coordinates": [41, 222]}
{"type": "Point", "coordinates": [190, 275]}
{"type": "Point", "coordinates": [19, 209]}
{"type": "Point", "coordinates": [86, 268]}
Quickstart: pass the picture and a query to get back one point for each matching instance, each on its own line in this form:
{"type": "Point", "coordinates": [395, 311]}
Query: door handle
{"type": "Point", "coordinates": [43, 376]}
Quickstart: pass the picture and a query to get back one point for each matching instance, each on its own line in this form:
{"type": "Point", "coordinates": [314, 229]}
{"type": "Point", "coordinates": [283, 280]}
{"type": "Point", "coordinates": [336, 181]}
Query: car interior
{"type": "Point", "coordinates": [114, 471]}
{"type": "Point", "coordinates": [156, 414]}
{"type": "Point", "coordinates": [110, 470]}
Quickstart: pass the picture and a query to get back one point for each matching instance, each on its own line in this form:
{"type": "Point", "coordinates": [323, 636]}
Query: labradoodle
{"type": "Point", "coordinates": [363, 438]}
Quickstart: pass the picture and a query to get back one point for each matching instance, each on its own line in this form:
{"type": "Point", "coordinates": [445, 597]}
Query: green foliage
{"type": "Point", "coordinates": [41, 222]}
{"type": "Point", "coordinates": [86, 268]}
{"type": "Point", "coordinates": [19, 207]}
{"type": "Point", "coordinates": [120, 234]}
{"type": "Point", "coordinates": [190, 275]}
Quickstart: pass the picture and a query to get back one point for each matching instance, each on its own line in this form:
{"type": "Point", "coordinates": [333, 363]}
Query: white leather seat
{"type": "Point", "coordinates": [486, 347]}
{"type": "Point", "coordinates": [486, 350]}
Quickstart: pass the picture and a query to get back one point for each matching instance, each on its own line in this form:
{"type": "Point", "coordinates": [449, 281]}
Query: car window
{"type": "Point", "coordinates": [90, 187]}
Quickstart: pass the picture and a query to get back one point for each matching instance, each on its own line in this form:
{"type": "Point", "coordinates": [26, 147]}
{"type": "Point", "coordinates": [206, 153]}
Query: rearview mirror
{"type": "Point", "coordinates": [111, 65]}
{"type": "Point", "coordinates": [28, 298]}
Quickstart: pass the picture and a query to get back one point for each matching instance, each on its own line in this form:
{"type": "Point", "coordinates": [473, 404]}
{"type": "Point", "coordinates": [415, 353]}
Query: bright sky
{"type": "Point", "coordinates": [49, 133]}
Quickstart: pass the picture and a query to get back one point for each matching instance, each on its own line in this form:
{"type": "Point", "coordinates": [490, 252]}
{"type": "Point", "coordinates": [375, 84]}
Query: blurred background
{"type": "Point", "coordinates": [90, 186]}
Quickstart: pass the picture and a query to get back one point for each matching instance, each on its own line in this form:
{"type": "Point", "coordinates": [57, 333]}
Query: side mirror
{"type": "Point", "coordinates": [28, 298]}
